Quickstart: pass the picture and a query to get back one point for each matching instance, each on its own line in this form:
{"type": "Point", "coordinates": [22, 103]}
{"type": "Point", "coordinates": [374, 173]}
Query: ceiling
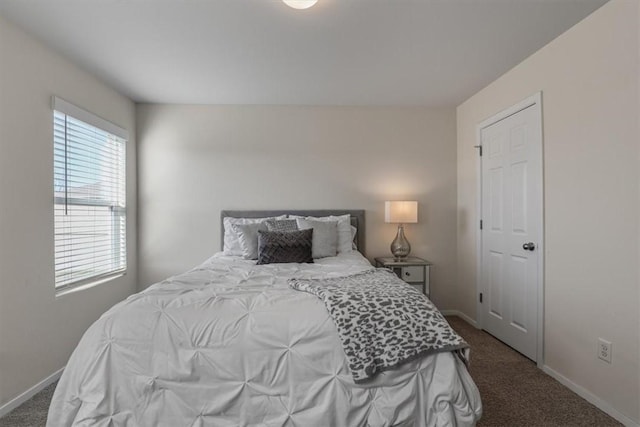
{"type": "Point", "coordinates": [339, 52]}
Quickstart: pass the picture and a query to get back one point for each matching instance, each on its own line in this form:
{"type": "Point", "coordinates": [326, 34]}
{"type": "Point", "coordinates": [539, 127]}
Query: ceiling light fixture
{"type": "Point", "coordinates": [300, 4]}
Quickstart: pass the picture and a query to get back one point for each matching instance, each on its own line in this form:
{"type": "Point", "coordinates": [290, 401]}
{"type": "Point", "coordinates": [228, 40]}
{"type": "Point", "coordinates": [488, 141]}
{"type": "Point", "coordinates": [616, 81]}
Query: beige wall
{"type": "Point", "coordinates": [198, 160]}
{"type": "Point", "coordinates": [37, 330]}
{"type": "Point", "coordinates": [589, 78]}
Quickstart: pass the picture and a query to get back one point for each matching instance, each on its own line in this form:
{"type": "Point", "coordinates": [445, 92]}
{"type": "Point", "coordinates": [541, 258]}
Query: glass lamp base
{"type": "Point", "coordinates": [400, 247]}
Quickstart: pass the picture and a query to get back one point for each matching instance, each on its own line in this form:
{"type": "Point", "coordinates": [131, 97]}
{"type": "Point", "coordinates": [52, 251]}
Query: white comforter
{"type": "Point", "coordinates": [229, 343]}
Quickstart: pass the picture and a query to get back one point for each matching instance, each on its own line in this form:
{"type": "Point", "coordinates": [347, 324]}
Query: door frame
{"type": "Point", "coordinates": [534, 100]}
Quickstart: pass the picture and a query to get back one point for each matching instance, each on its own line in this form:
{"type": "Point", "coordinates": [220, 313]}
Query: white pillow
{"type": "Point", "coordinates": [344, 230]}
{"type": "Point", "coordinates": [354, 231]}
{"type": "Point", "coordinates": [231, 240]}
{"type": "Point", "coordinates": [325, 236]}
{"type": "Point", "coordinates": [248, 237]}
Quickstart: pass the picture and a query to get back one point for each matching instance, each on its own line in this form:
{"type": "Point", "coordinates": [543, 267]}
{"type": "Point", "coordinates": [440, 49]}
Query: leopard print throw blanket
{"type": "Point", "coordinates": [382, 321]}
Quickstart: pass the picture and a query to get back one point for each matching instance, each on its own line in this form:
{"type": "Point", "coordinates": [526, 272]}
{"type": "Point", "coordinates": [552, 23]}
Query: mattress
{"type": "Point", "coordinates": [230, 343]}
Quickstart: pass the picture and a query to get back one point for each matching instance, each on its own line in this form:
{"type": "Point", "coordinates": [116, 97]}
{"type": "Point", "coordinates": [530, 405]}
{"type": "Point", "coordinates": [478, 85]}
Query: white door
{"type": "Point", "coordinates": [511, 235]}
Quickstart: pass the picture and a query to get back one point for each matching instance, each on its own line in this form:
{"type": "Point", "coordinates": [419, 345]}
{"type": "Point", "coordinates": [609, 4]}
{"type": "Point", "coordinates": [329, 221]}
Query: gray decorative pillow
{"type": "Point", "coordinates": [325, 236]}
{"type": "Point", "coordinates": [248, 237]}
{"type": "Point", "coordinates": [231, 240]}
{"type": "Point", "coordinates": [281, 225]}
{"type": "Point", "coordinates": [284, 246]}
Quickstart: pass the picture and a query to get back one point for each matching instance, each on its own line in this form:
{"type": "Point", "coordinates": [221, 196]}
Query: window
{"type": "Point", "coordinates": [89, 197]}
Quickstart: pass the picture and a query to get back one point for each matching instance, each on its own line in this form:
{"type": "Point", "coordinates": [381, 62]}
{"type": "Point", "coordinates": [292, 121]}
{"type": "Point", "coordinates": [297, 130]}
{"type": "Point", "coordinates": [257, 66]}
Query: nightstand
{"type": "Point", "coordinates": [413, 270]}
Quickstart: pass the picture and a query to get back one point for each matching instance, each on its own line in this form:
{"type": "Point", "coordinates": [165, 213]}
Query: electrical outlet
{"type": "Point", "coordinates": [604, 350]}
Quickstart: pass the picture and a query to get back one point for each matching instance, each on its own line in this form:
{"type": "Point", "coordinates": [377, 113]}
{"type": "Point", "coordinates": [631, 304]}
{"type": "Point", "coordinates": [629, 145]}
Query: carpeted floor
{"type": "Point", "coordinates": [32, 413]}
{"type": "Point", "coordinates": [515, 393]}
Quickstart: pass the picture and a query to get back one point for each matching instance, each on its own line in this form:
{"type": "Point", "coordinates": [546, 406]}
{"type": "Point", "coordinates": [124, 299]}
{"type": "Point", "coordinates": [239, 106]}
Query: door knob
{"type": "Point", "coordinates": [529, 246]}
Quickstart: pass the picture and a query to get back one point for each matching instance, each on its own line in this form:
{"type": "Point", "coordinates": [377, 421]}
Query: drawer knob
{"type": "Point", "coordinates": [406, 273]}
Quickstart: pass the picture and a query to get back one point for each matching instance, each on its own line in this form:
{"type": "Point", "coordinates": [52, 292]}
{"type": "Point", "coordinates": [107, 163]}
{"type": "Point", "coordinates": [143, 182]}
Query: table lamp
{"type": "Point", "coordinates": [400, 212]}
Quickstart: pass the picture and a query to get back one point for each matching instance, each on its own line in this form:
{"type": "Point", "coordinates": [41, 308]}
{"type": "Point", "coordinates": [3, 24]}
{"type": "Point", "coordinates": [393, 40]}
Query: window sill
{"type": "Point", "coordinates": [81, 287]}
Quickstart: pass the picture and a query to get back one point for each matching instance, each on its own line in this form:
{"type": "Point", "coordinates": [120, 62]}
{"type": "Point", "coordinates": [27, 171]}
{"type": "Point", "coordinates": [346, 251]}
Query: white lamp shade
{"type": "Point", "coordinates": [300, 4]}
{"type": "Point", "coordinates": [401, 212]}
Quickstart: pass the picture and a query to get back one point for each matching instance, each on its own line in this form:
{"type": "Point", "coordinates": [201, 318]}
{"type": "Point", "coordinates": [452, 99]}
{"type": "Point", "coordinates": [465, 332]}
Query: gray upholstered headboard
{"type": "Point", "coordinates": [357, 219]}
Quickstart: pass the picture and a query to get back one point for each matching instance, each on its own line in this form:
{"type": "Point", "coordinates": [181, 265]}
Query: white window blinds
{"type": "Point", "coordinates": [89, 196]}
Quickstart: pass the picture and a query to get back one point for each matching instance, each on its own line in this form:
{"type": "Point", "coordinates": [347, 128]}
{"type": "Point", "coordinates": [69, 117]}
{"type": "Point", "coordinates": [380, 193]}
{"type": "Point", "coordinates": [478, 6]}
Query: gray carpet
{"type": "Point", "coordinates": [32, 413]}
{"type": "Point", "coordinates": [515, 393]}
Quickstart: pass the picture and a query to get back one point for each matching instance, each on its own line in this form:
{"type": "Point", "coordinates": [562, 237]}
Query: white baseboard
{"type": "Point", "coordinates": [461, 315]}
{"type": "Point", "coordinates": [20, 399]}
{"type": "Point", "coordinates": [591, 398]}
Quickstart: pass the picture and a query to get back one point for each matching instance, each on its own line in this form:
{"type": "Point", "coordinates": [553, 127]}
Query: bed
{"type": "Point", "coordinates": [230, 343]}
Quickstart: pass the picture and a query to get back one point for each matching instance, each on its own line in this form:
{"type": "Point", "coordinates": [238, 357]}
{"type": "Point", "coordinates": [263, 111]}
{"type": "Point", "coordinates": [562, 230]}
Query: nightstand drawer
{"type": "Point", "coordinates": [412, 274]}
{"type": "Point", "coordinates": [412, 270]}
